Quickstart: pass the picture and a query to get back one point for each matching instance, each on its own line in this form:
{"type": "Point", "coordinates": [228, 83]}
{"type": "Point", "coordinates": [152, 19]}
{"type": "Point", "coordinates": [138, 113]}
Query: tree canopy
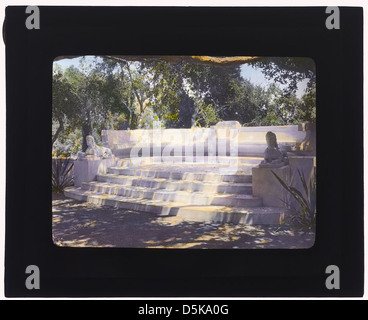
{"type": "Point", "coordinates": [118, 93]}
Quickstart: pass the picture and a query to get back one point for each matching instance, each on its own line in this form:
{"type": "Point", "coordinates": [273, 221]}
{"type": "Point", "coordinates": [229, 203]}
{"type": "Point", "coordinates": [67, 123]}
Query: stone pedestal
{"type": "Point", "coordinates": [267, 187]}
{"type": "Point", "coordinates": [86, 169]}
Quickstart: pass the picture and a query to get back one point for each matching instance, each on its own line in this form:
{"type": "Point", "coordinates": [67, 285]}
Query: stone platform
{"type": "Point", "coordinates": [197, 191]}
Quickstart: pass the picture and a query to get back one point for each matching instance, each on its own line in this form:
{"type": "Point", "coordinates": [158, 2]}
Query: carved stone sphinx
{"type": "Point", "coordinates": [273, 157]}
{"type": "Point", "coordinates": [95, 150]}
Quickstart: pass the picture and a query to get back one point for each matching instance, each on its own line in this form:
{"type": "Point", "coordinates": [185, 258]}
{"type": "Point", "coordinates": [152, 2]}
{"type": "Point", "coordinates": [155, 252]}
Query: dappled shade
{"type": "Point", "coordinates": [83, 224]}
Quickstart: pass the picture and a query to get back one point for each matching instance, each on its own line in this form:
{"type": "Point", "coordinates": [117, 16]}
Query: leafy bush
{"type": "Point", "coordinates": [305, 216]}
{"type": "Point", "coordinates": [68, 143]}
{"type": "Point", "coordinates": [61, 177]}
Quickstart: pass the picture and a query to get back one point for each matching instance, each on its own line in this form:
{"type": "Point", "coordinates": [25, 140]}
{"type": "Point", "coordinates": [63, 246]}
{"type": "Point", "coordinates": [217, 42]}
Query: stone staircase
{"type": "Point", "coordinates": [192, 191]}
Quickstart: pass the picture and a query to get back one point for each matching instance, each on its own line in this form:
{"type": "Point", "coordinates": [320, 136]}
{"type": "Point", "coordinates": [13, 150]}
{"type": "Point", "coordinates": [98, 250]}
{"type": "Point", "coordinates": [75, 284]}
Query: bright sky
{"type": "Point", "coordinates": [255, 75]}
{"type": "Point", "coordinates": [65, 63]}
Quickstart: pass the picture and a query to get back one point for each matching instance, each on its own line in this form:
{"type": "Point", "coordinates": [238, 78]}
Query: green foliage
{"type": "Point", "coordinates": [305, 216]}
{"type": "Point", "coordinates": [207, 115]}
{"type": "Point", "coordinates": [306, 111]}
{"type": "Point", "coordinates": [69, 142]}
{"type": "Point", "coordinates": [115, 121]}
{"type": "Point", "coordinates": [166, 92]}
{"type": "Point", "coordinates": [94, 94]}
{"type": "Point", "coordinates": [61, 177]}
{"type": "Point", "coordinates": [245, 102]}
{"type": "Point", "coordinates": [210, 88]}
{"type": "Point", "coordinates": [113, 93]}
{"type": "Point", "coordinates": [285, 107]}
{"type": "Point", "coordinates": [275, 107]}
{"type": "Point", "coordinates": [288, 70]}
{"type": "Point", "coordinates": [64, 101]}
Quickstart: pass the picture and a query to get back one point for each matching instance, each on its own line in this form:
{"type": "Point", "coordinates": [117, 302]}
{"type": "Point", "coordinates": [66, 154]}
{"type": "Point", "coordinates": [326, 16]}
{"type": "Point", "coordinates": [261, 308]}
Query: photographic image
{"type": "Point", "coordinates": [184, 152]}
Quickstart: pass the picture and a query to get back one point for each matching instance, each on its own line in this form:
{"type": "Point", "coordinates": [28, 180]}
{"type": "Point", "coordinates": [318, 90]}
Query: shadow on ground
{"type": "Point", "coordinates": [81, 224]}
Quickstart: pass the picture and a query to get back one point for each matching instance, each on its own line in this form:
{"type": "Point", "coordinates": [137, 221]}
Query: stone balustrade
{"type": "Point", "coordinates": [250, 141]}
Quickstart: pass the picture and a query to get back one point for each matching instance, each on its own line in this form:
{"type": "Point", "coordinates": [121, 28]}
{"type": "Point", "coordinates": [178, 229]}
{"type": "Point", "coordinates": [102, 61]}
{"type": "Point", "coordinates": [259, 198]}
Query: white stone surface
{"type": "Point", "coordinates": [192, 191]}
{"type": "Point", "coordinates": [203, 213]}
{"type": "Point", "coordinates": [86, 169]}
{"type": "Point", "coordinates": [267, 187]}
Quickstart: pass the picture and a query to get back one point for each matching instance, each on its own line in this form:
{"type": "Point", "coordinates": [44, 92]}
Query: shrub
{"type": "Point", "coordinates": [305, 216]}
{"type": "Point", "coordinates": [61, 177]}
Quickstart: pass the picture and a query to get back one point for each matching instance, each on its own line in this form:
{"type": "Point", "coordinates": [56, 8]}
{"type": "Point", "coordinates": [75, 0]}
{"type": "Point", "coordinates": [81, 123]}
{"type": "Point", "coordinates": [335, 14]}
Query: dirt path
{"type": "Point", "coordinates": [79, 224]}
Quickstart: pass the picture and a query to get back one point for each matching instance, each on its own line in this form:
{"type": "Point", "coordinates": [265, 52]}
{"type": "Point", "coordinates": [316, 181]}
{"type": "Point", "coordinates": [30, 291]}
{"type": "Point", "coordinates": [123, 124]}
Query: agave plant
{"type": "Point", "coordinates": [61, 174]}
{"type": "Point", "coordinates": [305, 216]}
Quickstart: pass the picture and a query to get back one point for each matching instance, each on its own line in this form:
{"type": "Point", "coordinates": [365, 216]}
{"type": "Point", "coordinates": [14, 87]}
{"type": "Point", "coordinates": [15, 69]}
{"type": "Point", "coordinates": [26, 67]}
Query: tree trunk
{"type": "Point", "coordinates": [130, 118]}
{"type": "Point", "coordinates": [86, 130]}
{"type": "Point", "coordinates": [56, 135]}
{"type": "Point", "coordinates": [141, 107]}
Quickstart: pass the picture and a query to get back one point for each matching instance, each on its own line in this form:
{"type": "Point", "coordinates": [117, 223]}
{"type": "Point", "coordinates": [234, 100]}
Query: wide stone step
{"type": "Point", "coordinates": [177, 185]}
{"type": "Point", "coordinates": [191, 162]}
{"type": "Point", "coordinates": [145, 205]}
{"type": "Point", "coordinates": [188, 197]}
{"type": "Point", "coordinates": [219, 214]}
{"type": "Point", "coordinates": [177, 175]}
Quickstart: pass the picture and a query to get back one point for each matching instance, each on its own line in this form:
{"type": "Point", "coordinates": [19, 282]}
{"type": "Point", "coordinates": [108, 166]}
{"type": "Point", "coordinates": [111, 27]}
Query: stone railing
{"type": "Point", "coordinates": [250, 141]}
